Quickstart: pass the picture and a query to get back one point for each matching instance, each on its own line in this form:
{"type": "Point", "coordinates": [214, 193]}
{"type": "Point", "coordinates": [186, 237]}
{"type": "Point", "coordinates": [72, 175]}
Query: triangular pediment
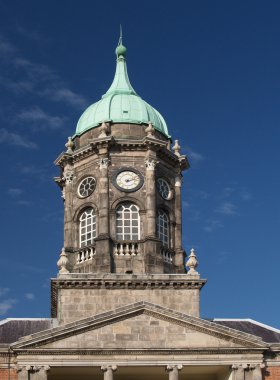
{"type": "Point", "coordinates": [140, 326]}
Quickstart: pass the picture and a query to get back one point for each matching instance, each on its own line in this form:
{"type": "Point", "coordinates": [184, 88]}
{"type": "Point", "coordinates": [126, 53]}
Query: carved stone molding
{"type": "Point", "coordinates": [68, 176]}
{"type": "Point", "coordinates": [103, 163]}
{"type": "Point", "coordinates": [123, 352]}
{"type": "Point", "coordinates": [151, 164]}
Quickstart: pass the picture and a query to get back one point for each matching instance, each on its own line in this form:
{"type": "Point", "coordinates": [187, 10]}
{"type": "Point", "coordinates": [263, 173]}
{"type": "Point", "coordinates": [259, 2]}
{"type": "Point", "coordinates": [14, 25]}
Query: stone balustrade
{"type": "Point", "coordinates": [126, 248]}
{"type": "Point", "coordinates": [85, 254]}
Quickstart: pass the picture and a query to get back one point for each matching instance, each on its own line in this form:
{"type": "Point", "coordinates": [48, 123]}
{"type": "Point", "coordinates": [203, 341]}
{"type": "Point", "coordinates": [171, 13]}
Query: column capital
{"type": "Point", "coordinates": [68, 175]}
{"type": "Point", "coordinates": [171, 367]}
{"type": "Point", "coordinates": [105, 367]}
{"type": "Point", "coordinates": [151, 164]}
{"type": "Point", "coordinates": [103, 163]}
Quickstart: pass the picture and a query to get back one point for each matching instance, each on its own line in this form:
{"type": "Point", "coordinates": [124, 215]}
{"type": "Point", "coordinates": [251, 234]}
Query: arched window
{"type": "Point", "coordinates": [127, 222]}
{"type": "Point", "coordinates": [87, 228]}
{"type": "Point", "coordinates": [163, 227]}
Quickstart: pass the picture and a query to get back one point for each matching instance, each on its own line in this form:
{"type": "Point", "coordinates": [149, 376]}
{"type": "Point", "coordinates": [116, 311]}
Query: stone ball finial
{"type": "Point", "coordinates": [63, 262]}
{"type": "Point", "coordinates": [121, 50]}
{"type": "Point", "coordinates": [192, 263]}
{"type": "Point", "coordinates": [177, 148]}
{"type": "Point", "coordinates": [69, 145]}
{"type": "Point", "coordinates": [150, 130]}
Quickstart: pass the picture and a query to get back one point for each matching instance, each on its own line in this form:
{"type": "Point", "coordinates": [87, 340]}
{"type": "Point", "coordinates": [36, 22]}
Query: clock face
{"type": "Point", "coordinates": [128, 180]}
{"type": "Point", "coordinates": [164, 189]}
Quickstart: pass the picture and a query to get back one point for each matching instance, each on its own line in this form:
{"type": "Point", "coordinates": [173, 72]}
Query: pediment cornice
{"type": "Point", "coordinates": [243, 341]}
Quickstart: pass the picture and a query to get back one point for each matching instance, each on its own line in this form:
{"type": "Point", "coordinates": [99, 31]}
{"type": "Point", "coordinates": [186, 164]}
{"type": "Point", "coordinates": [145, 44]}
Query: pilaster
{"type": "Point", "coordinates": [103, 248]}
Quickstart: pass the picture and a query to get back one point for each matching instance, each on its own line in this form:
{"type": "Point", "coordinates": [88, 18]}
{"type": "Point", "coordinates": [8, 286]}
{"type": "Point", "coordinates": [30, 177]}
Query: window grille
{"type": "Point", "coordinates": [87, 227]}
{"type": "Point", "coordinates": [127, 222]}
{"type": "Point", "coordinates": [163, 228]}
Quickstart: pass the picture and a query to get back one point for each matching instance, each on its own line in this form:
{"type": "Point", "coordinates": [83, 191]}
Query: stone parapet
{"type": "Point", "coordinates": [81, 296]}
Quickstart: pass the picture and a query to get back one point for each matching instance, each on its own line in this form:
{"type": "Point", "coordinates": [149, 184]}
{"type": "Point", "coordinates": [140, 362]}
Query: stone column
{"type": "Point", "coordinates": [173, 371]}
{"type": "Point", "coordinates": [237, 372]}
{"type": "Point", "coordinates": [108, 371]}
{"type": "Point", "coordinates": [178, 213]}
{"type": "Point", "coordinates": [103, 227]}
{"type": "Point", "coordinates": [257, 371]}
{"type": "Point", "coordinates": [22, 372]}
{"type": "Point", "coordinates": [150, 197]}
{"type": "Point", "coordinates": [103, 249]}
{"type": "Point", "coordinates": [68, 177]}
{"type": "Point", "coordinates": [179, 253]}
{"type": "Point", "coordinates": [42, 373]}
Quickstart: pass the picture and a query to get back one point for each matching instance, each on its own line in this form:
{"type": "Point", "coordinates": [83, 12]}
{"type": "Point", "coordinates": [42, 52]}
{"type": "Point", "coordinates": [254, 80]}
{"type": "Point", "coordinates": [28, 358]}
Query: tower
{"type": "Point", "coordinates": [121, 185]}
{"type": "Point", "coordinates": [123, 305]}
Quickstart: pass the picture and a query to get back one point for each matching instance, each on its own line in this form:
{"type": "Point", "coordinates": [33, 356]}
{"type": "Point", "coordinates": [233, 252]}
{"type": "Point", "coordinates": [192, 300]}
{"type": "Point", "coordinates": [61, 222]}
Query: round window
{"type": "Point", "coordinates": [86, 187]}
{"type": "Point", "coordinates": [164, 188]}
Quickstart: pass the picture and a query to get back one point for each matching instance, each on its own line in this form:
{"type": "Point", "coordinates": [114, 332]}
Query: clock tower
{"type": "Point", "coordinates": [121, 185]}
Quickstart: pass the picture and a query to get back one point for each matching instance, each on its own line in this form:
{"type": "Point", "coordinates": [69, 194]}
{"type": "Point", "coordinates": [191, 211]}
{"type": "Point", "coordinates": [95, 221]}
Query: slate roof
{"type": "Point", "coordinates": [267, 333]}
{"type": "Point", "coordinates": [11, 329]}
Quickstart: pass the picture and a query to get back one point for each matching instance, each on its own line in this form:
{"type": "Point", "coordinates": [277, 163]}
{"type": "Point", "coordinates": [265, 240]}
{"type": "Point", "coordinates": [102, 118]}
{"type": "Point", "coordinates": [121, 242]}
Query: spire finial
{"type": "Point", "coordinates": [120, 50]}
{"type": "Point", "coordinates": [120, 39]}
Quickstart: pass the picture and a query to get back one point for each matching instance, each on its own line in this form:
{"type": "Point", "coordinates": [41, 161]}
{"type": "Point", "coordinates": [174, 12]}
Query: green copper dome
{"type": "Point", "coordinates": [121, 104]}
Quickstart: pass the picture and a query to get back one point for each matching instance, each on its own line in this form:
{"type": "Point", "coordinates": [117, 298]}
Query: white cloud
{"type": "Point", "coordinates": [66, 95]}
{"type": "Point", "coordinates": [245, 195]}
{"type": "Point", "coordinates": [23, 202]}
{"type": "Point", "coordinates": [6, 305]}
{"type": "Point", "coordinates": [15, 192]}
{"type": "Point", "coordinates": [36, 78]}
{"type": "Point", "coordinates": [212, 225]}
{"type": "Point", "coordinates": [11, 138]}
{"type": "Point", "coordinates": [4, 291]}
{"type": "Point", "coordinates": [194, 156]}
{"type": "Point", "coordinates": [6, 48]}
{"type": "Point", "coordinates": [39, 117]}
{"type": "Point", "coordinates": [227, 208]}
{"type": "Point", "coordinates": [29, 296]}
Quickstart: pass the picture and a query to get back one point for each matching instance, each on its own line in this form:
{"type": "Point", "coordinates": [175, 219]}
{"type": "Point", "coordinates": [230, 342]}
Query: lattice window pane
{"type": "Point", "coordinates": [87, 227]}
{"type": "Point", "coordinates": [127, 222]}
{"type": "Point", "coordinates": [163, 228]}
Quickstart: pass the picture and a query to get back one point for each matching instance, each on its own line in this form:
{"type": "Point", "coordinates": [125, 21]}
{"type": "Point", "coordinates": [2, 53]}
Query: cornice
{"type": "Point", "coordinates": [241, 339]}
{"type": "Point", "coordinates": [144, 352]}
{"type": "Point", "coordinates": [141, 145]}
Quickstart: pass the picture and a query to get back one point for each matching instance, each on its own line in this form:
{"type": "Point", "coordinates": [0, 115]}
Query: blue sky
{"type": "Point", "coordinates": [212, 69]}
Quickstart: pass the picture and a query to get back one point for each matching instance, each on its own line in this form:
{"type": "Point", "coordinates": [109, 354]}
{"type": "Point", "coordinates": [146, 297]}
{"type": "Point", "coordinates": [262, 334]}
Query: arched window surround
{"type": "Point", "coordinates": [163, 227]}
{"type": "Point", "coordinates": [87, 226]}
{"type": "Point", "coordinates": [127, 217]}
